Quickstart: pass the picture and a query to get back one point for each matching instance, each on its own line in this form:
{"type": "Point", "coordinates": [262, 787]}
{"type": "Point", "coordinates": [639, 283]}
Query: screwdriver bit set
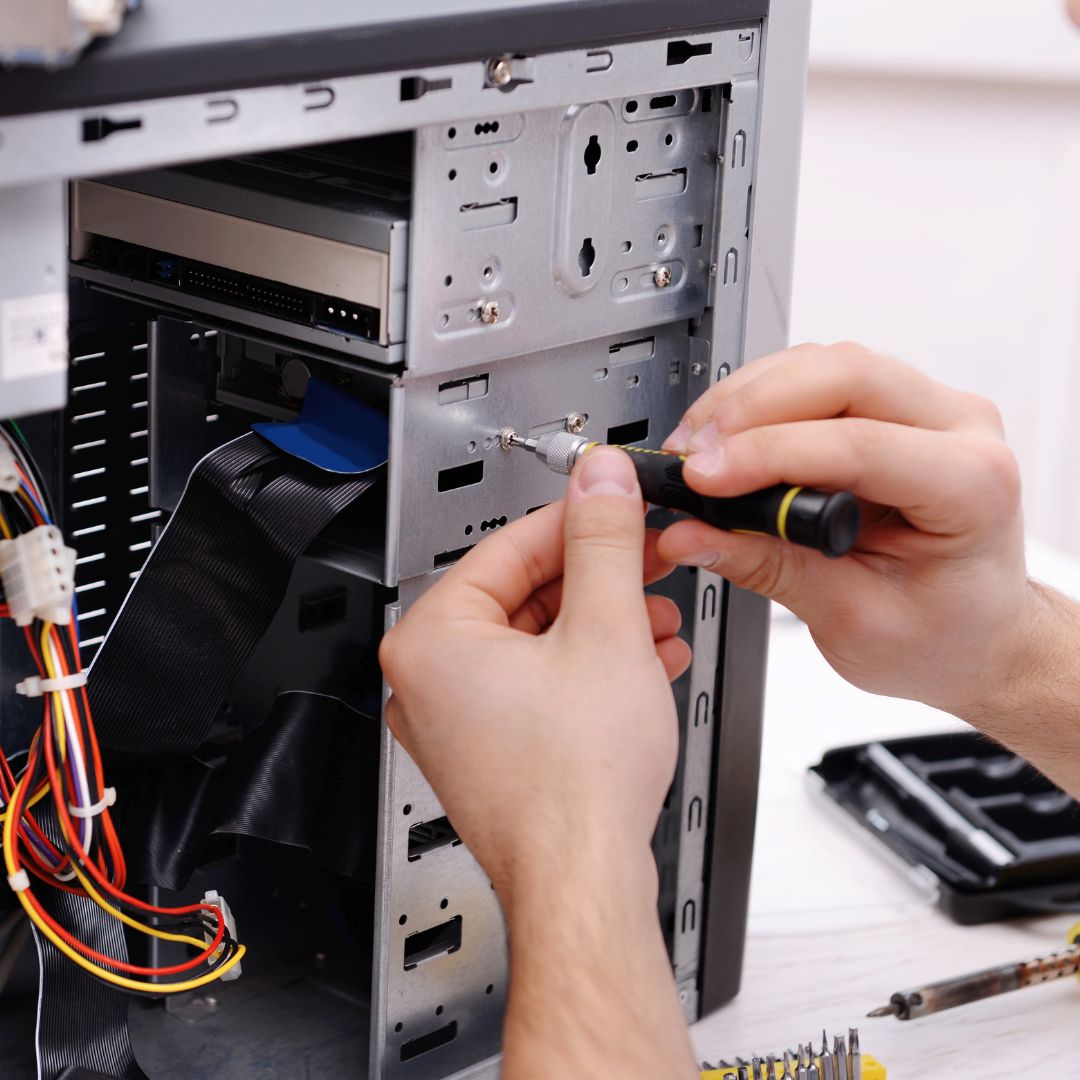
{"type": "Point", "coordinates": [838, 1059]}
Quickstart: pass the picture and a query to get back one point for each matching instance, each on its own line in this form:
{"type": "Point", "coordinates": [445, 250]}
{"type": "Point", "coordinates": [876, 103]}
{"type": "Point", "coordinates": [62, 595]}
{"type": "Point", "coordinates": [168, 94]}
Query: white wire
{"type": "Point", "coordinates": [86, 827]}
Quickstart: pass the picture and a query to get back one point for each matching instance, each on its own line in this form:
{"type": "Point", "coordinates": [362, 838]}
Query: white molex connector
{"type": "Point", "coordinates": [213, 898]}
{"type": "Point", "coordinates": [38, 572]}
{"type": "Point", "coordinates": [10, 480]}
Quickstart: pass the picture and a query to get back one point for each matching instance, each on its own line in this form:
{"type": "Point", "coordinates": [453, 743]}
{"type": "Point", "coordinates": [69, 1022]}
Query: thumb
{"type": "Point", "coordinates": [605, 536]}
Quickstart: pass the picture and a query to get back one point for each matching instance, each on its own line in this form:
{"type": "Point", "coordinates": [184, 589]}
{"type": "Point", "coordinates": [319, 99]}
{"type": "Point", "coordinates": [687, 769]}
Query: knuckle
{"type": "Point", "coordinates": [1002, 470]}
{"type": "Point", "coordinates": [391, 653]}
{"type": "Point", "coordinates": [987, 412]}
{"type": "Point", "coordinates": [766, 575]}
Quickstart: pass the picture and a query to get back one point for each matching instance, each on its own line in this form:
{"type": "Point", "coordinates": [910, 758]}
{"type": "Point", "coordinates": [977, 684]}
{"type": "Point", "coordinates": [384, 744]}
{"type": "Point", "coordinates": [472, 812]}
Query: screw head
{"type": "Point", "coordinates": [490, 312]}
{"type": "Point", "coordinates": [713, 269]}
{"type": "Point", "coordinates": [575, 423]}
{"type": "Point", "coordinates": [499, 71]}
{"type": "Point", "coordinates": [723, 372]}
{"type": "Point", "coordinates": [697, 370]}
{"type": "Point", "coordinates": [662, 277]}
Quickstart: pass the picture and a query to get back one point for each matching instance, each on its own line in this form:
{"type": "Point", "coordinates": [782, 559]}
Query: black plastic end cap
{"type": "Point", "coordinates": [829, 523]}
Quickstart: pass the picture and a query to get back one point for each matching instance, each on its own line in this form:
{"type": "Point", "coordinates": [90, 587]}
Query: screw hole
{"type": "Point", "coordinates": [444, 903]}
{"type": "Point", "coordinates": [586, 256]}
{"type": "Point", "coordinates": [402, 920]}
{"type": "Point", "coordinates": [631, 146]}
{"type": "Point", "coordinates": [452, 174]}
{"type": "Point", "coordinates": [448, 280]}
{"type": "Point", "coordinates": [627, 245]}
{"type": "Point", "coordinates": [452, 133]}
{"type": "Point", "coordinates": [493, 168]}
{"type": "Point", "coordinates": [438, 1010]}
{"type": "Point", "coordinates": [446, 320]}
{"type": "Point", "coordinates": [631, 106]}
{"type": "Point", "coordinates": [472, 447]}
{"type": "Point", "coordinates": [468, 530]}
{"type": "Point", "coordinates": [669, 139]}
{"type": "Point", "coordinates": [489, 273]}
{"type": "Point", "coordinates": [489, 988]}
{"type": "Point", "coordinates": [398, 1026]}
{"type": "Point", "coordinates": [661, 239]}
{"type": "Point", "coordinates": [407, 808]}
{"type": "Point", "coordinates": [592, 154]}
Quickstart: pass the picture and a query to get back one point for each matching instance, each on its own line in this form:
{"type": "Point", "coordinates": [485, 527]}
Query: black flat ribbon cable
{"type": "Point", "coordinates": [207, 594]}
{"type": "Point", "coordinates": [203, 600]}
{"type": "Point", "coordinates": [308, 776]}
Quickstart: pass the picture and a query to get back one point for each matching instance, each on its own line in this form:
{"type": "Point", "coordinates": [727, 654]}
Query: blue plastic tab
{"type": "Point", "coordinates": [334, 432]}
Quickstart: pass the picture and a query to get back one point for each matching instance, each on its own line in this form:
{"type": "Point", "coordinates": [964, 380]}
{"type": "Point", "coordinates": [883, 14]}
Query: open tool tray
{"type": "Point", "coordinates": [996, 791]}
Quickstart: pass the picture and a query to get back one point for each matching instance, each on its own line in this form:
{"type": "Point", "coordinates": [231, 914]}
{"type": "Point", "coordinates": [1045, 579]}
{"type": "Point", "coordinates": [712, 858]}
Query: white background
{"type": "Point", "coordinates": [939, 217]}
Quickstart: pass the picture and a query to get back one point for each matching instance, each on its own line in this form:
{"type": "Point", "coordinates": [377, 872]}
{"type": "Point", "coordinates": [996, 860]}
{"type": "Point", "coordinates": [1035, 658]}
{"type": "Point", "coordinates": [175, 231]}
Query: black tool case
{"type": "Point", "coordinates": [997, 791]}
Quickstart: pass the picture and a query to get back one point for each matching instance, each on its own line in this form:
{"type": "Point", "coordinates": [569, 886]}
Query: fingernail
{"type": "Point", "coordinates": [704, 560]}
{"type": "Point", "coordinates": [707, 437]}
{"type": "Point", "coordinates": [606, 472]}
{"type": "Point", "coordinates": [707, 464]}
{"type": "Point", "coordinates": [678, 439]}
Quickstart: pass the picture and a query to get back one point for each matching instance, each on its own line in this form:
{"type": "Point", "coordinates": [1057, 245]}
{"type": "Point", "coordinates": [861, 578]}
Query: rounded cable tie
{"type": "Point", "coordinates": [19, 881]}
{"type": "Point", "coordinates": [35, 686]}
{"type": "Point", "coordinates": [108, 798]}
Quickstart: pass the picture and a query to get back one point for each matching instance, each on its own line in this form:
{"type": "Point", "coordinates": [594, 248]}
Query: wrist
{"type": "Point", "coordinates": [1033, 691]}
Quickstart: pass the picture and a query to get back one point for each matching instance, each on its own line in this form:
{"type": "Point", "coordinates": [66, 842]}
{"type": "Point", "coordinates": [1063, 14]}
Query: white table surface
{"type": "Point", "coordinates": [855, 928]}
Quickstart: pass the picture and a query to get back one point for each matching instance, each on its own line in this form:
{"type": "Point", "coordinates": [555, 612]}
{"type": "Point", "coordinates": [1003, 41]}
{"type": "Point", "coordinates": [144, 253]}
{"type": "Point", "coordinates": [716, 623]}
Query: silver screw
{"type": "Point", "coordinates": [499, 72]}
{"type": "Point", "coordinates": [723, 372]}
{"type": "Point", "coordinates": [713, 269]}
{"type": "Point", "coordinates": [575, 423]}
{"type": "Point", "coordinates": [697, 370]}
{"type": "Point", "coordinates": [662, 277]}
{"type": "Point", "coordinates": [489, 312]}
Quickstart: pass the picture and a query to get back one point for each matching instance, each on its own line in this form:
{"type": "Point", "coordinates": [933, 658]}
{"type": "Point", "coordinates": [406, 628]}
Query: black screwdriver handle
{"type": "Point", "coordinates": [823, 520]}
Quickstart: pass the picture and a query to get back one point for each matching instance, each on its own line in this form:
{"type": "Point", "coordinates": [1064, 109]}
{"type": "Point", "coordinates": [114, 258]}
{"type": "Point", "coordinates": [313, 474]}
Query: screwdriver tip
{"type": "Point", "coordinates": [884, 1010]}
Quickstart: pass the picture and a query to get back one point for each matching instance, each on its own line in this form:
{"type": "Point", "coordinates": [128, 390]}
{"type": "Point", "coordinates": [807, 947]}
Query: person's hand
{"type": "Point", "coordinates": [934, 601]}
{"type": "Point", "coordinates": [531, 686]}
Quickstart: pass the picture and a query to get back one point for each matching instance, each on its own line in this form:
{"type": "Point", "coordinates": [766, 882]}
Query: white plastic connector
{"type": "Point", "coordinates": [35, 685]}
{"type": "Point", "coordinates": [38, 573]}
{"type": "Point", "coordinates": [19, 881]}
{"type": "Point", "coordinates": [10, 480]}
{"type": "Point", "coordinates": [213, 898]}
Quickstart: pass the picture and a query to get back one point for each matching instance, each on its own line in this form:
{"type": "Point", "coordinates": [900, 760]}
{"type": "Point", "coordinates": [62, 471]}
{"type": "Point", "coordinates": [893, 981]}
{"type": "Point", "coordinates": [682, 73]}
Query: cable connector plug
{"type": "Point", "coordinates": [38, 572]}
{"type": "Point", "coordinates": [10, 480]}
{"type": "Point", "coordinates": [214, 899]}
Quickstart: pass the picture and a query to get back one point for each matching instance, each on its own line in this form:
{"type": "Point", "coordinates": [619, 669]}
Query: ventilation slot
{"type": "Point", "coordinates": [106, 474]}
{"type": "Point", "coordinates": [625, 434]}
{"type": "Point", "coordinates": [423, 1044]}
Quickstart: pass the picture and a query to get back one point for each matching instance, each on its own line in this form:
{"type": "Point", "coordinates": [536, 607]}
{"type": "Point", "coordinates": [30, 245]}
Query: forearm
{"type": "Point", "coordinates": [1036, 711]}
{"type": "Point", "coordinates": [591, 987]}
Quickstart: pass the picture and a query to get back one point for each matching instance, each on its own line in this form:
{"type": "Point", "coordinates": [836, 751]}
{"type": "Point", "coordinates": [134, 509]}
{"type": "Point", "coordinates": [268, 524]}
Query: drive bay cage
{"type": "Point", "coordinates": [463, 216]}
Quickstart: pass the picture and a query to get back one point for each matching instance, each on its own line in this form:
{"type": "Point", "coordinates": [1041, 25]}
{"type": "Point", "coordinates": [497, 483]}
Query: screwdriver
{"type": "Point", "coordinates": [947, 994]}
{"type": "Point", "coordinates": [825, 521]}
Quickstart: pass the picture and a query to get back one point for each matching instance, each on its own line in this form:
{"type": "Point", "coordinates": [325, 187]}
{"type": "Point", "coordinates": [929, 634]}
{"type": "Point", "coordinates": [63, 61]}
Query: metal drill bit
{"type": "Point", "coordinates": [840, 1055]}
{"type": "Point", "coordinates": [813, 1072]}
{"type": "Point", "coordinates": [827, 1070]}
{"type": "Point", "coordinates": [770, 1067]}
{"type": "Point", "coordinates": [786, 1074]}
{"type": "Point", "coordinates": [755, 1067]}
{"type": "Point", "coordinates": [744, 1072]}
{"type": "Point", "coordinates": [854, 1057]}
{"type": "Point", "coordinates": [801, 1073]}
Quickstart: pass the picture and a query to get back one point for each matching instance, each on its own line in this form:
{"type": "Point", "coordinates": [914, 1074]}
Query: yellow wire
{"type": "Point", "coordinates": [82, 961]}
{"type": "Point", "coordinates": [32, 801]}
